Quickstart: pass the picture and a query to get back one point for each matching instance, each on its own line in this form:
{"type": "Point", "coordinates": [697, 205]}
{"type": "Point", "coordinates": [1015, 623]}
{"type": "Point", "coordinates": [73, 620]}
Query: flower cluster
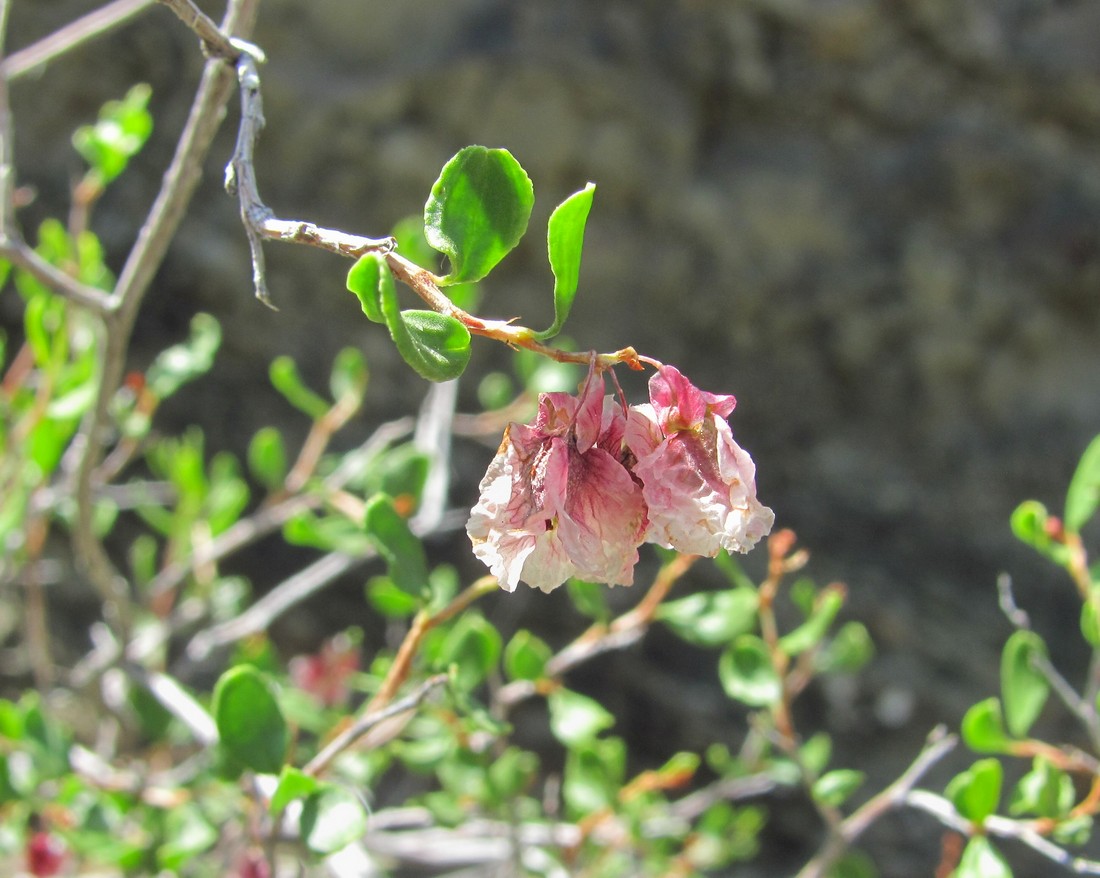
{"type": "Point", "coordinates": [575, 492]}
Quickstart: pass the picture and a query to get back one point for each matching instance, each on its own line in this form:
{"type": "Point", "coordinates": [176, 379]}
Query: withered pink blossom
{"type": "Point", "coordinates": [699, 485]}
{"type": "Point", "coordinates": [557, 501]}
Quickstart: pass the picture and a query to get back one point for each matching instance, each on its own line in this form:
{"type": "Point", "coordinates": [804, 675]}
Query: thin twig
{"type": "Point", "coordinates": [214, 41]}
{"type": "Point", "coordinates": [368, 721]}
{"type": "Point", "coordinates": [177, 701]}
{"type": "Point", "coordinates": [259, 220]}
{"type": "Point", "coordinates": [88, 27]}
{"type": "Point", "coordinates": [180, 181]}
{"type": "Point", "coordinates": [938, 745]}
{"type": "Point", "coordinates": [1002, 827]}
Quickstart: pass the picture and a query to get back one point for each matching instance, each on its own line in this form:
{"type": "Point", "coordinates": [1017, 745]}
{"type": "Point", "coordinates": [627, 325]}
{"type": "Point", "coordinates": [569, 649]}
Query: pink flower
{"type": "Point", "coordinates": [557, 500]}
{"type": "Point", "coordinates": [698, 483]}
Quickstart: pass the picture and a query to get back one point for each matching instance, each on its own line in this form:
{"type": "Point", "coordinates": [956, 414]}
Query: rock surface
{"type": "Point", "coordinates": [876, 223]}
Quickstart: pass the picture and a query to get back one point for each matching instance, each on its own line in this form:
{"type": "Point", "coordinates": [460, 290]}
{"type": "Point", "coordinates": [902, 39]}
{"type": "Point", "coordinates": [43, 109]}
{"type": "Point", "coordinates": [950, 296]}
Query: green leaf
{"type": "Point", "coordinates": [473, 645]}
{"type": "Point", "coordinates": [285, 379]}
{"type": "Point", "coordinates": [365, 279]}
{"type": "Point", "coordinates": [747, 674]}
{"type": "Point", "coordinates": [853, 864]}
{"type": "Point", "coordinates": [525, 656]}
{"type": "Point", "coordinates": [437, 346]}
{"type": "Point", "coordinates": [477, 211]}
{"type": "Point", "coordinates": [251, 727]}
{"type": "Point", "coordinates": [593, 775]}
{"type": "Point", "coordinates": [413, 245]}
{"type": "Point", "coordinates": [184, 362]}
{"type": "Point", "coordinates": [293, 784]}
{"type": "Point", "coordinates": [576, 718]}
{"type": "Point", "coordinates": [348, 379]}
{"type": "Point", "coordinates": [1090, 618]}
{"type": "Point", "coordinates": [1029, 524]}
{"type": "Point", "coordinates": [512, 773]}
{"type": "Point", "coordinates": [976, 792]}
{"type": "Point", "coordinates": [396, 544]}
{"type": "Point", "coordinates": [589, 598]}
{"type": "Point", "coordinates": [267, 458]}
{"type": "Point", "coordinates": [390, 600]}
{"type": "Point", "coordinates": [1045, 791]}
{"type": "Point", "coordinates": [188, 834]}
{"type": "Point", "coordinates": [332, 533]}
{"type": "Point", "coordinates": [981, 860]}
{"type": "Point", "coordinates": [983, 728]}
{"type": "Point", "coordinates": [810, 633]}
{"type": "Point", "coordinates": [1024, 688]}
{"type": "Point", "coordinates": [833, 788]}
{"type": "Point", "coordinates": [118, 135]}
{"type": "Point", "coordinates": [565, 241]}
{"type": "Point", "coordinates": [711, 618]}
{"type": "Point", "coordinates": [849, 649]}
{"type": "Point", "coordinates": [332, 818]}
{"type": "Point", "coordinates": [1083, 495]}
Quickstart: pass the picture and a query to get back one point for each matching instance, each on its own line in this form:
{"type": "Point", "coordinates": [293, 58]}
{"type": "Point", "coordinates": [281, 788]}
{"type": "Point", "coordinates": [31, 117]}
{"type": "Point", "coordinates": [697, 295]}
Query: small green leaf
{"type": "Point", "coordinates": [437, 346]}
{"type": "Point", "coordinates": [810, 633]}
{"type": "Point", "coordinates": [976, 792]}
{"type": "Point", "coordinates": [983, 728]}
{"type": "Point", "coordinates": [477, 211]}
{"type": "Point", "coordinates": [250, 724]}
{"type": "Point", "coordinates": [575, 718]}
{"type": "Point", "coordinates": [833, 788]}
{"type": "Point", "coordinates": [332, 818]}
{"type": "Point", "coordinates": [747, 673]}
{"type": "Point", "coordinates": [285, 378]}
{"type": "Point", "coordinates": [184, 362]}
{"type": "Point", "coordinates": [848, 650]}
{"type": "Point", "coordinates": [525, 656]}
{"type": "Point", "coordinates": [348, 379]}
{"type": "Point", "coordinates": [589, 598]}
{"type": "Point", "coordinates": [1090, 618]}
{"type": "Point", "coordinates": [473, 645]}
{"type": "Point", "coordinates": [365, 279]}
{"type": "Point", "coordinates": [853, 864]}
{"type": "Point", "coordinates": [1029, 524]}
{"type": "Point", "coordinates": [188, 834]}
{"type": "Point", "coordinates": [1045, 791]}
{"type": "Point", "coordinates": [711, 618]}
{"type": "Point", "coordinates": [593, 775]}
{"type": "Point", "coordinates": [396, 544]}
{"type": "Point", "coordinates": [118, 135]}
{"type": "Point", "coordinates": [390, 600]}
{"type": "Point", "coordinates": [267, 458]}
{"type": "Point", "coordinates": [981, 860]}
{"type": "Point", "coordinates": [293, 784]}
{"type": "Point", "coordinates": [511, 773]}
{"type": "Point", "coordinates": [565, 241]}
{"type": "Point", "coordinates": [1083, 495]}
{"type": "Point", "coordinates": [1024, 688]}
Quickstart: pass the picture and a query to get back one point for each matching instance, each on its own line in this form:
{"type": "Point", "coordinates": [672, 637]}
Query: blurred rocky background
{"type": "Point", "coordinates": [877, 222]}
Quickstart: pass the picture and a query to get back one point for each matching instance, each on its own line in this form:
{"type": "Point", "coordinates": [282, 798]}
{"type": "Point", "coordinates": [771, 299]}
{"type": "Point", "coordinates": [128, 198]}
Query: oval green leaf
{"type": "Point", "coordinates": [565, 241]}
{"type": "Point", "coordinates": [365, 279]}
{"type": "Point", "coordinates": [983, 728]}
{"type": "Point", "coordinates": [1083, 495]}
{"type": "Point", "coordinates": [711, 618]}
{"type": "Point", "coordinates": [981, 860]}
{"type": "Point", "coordinates": [251, 728]}
{"type": "Point", "coordinates": [525, 656]}
{"type": "Point", "coordinates": [397, 545]}
{"type": "Point", "coordinates": [976, 792]}
{"type": "Point", "coordinates": [477, 211]}
{"type": "Point", "coordinates": [332, 818]}
{"type": "Point", "coordinates": [575, 718]}
{"type": "Point", "coordinates": [747, 673]}
{"type": "Point", "coordinates": [1024, 688]}
{"type": "Point", "coordinates": [834, 788]}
